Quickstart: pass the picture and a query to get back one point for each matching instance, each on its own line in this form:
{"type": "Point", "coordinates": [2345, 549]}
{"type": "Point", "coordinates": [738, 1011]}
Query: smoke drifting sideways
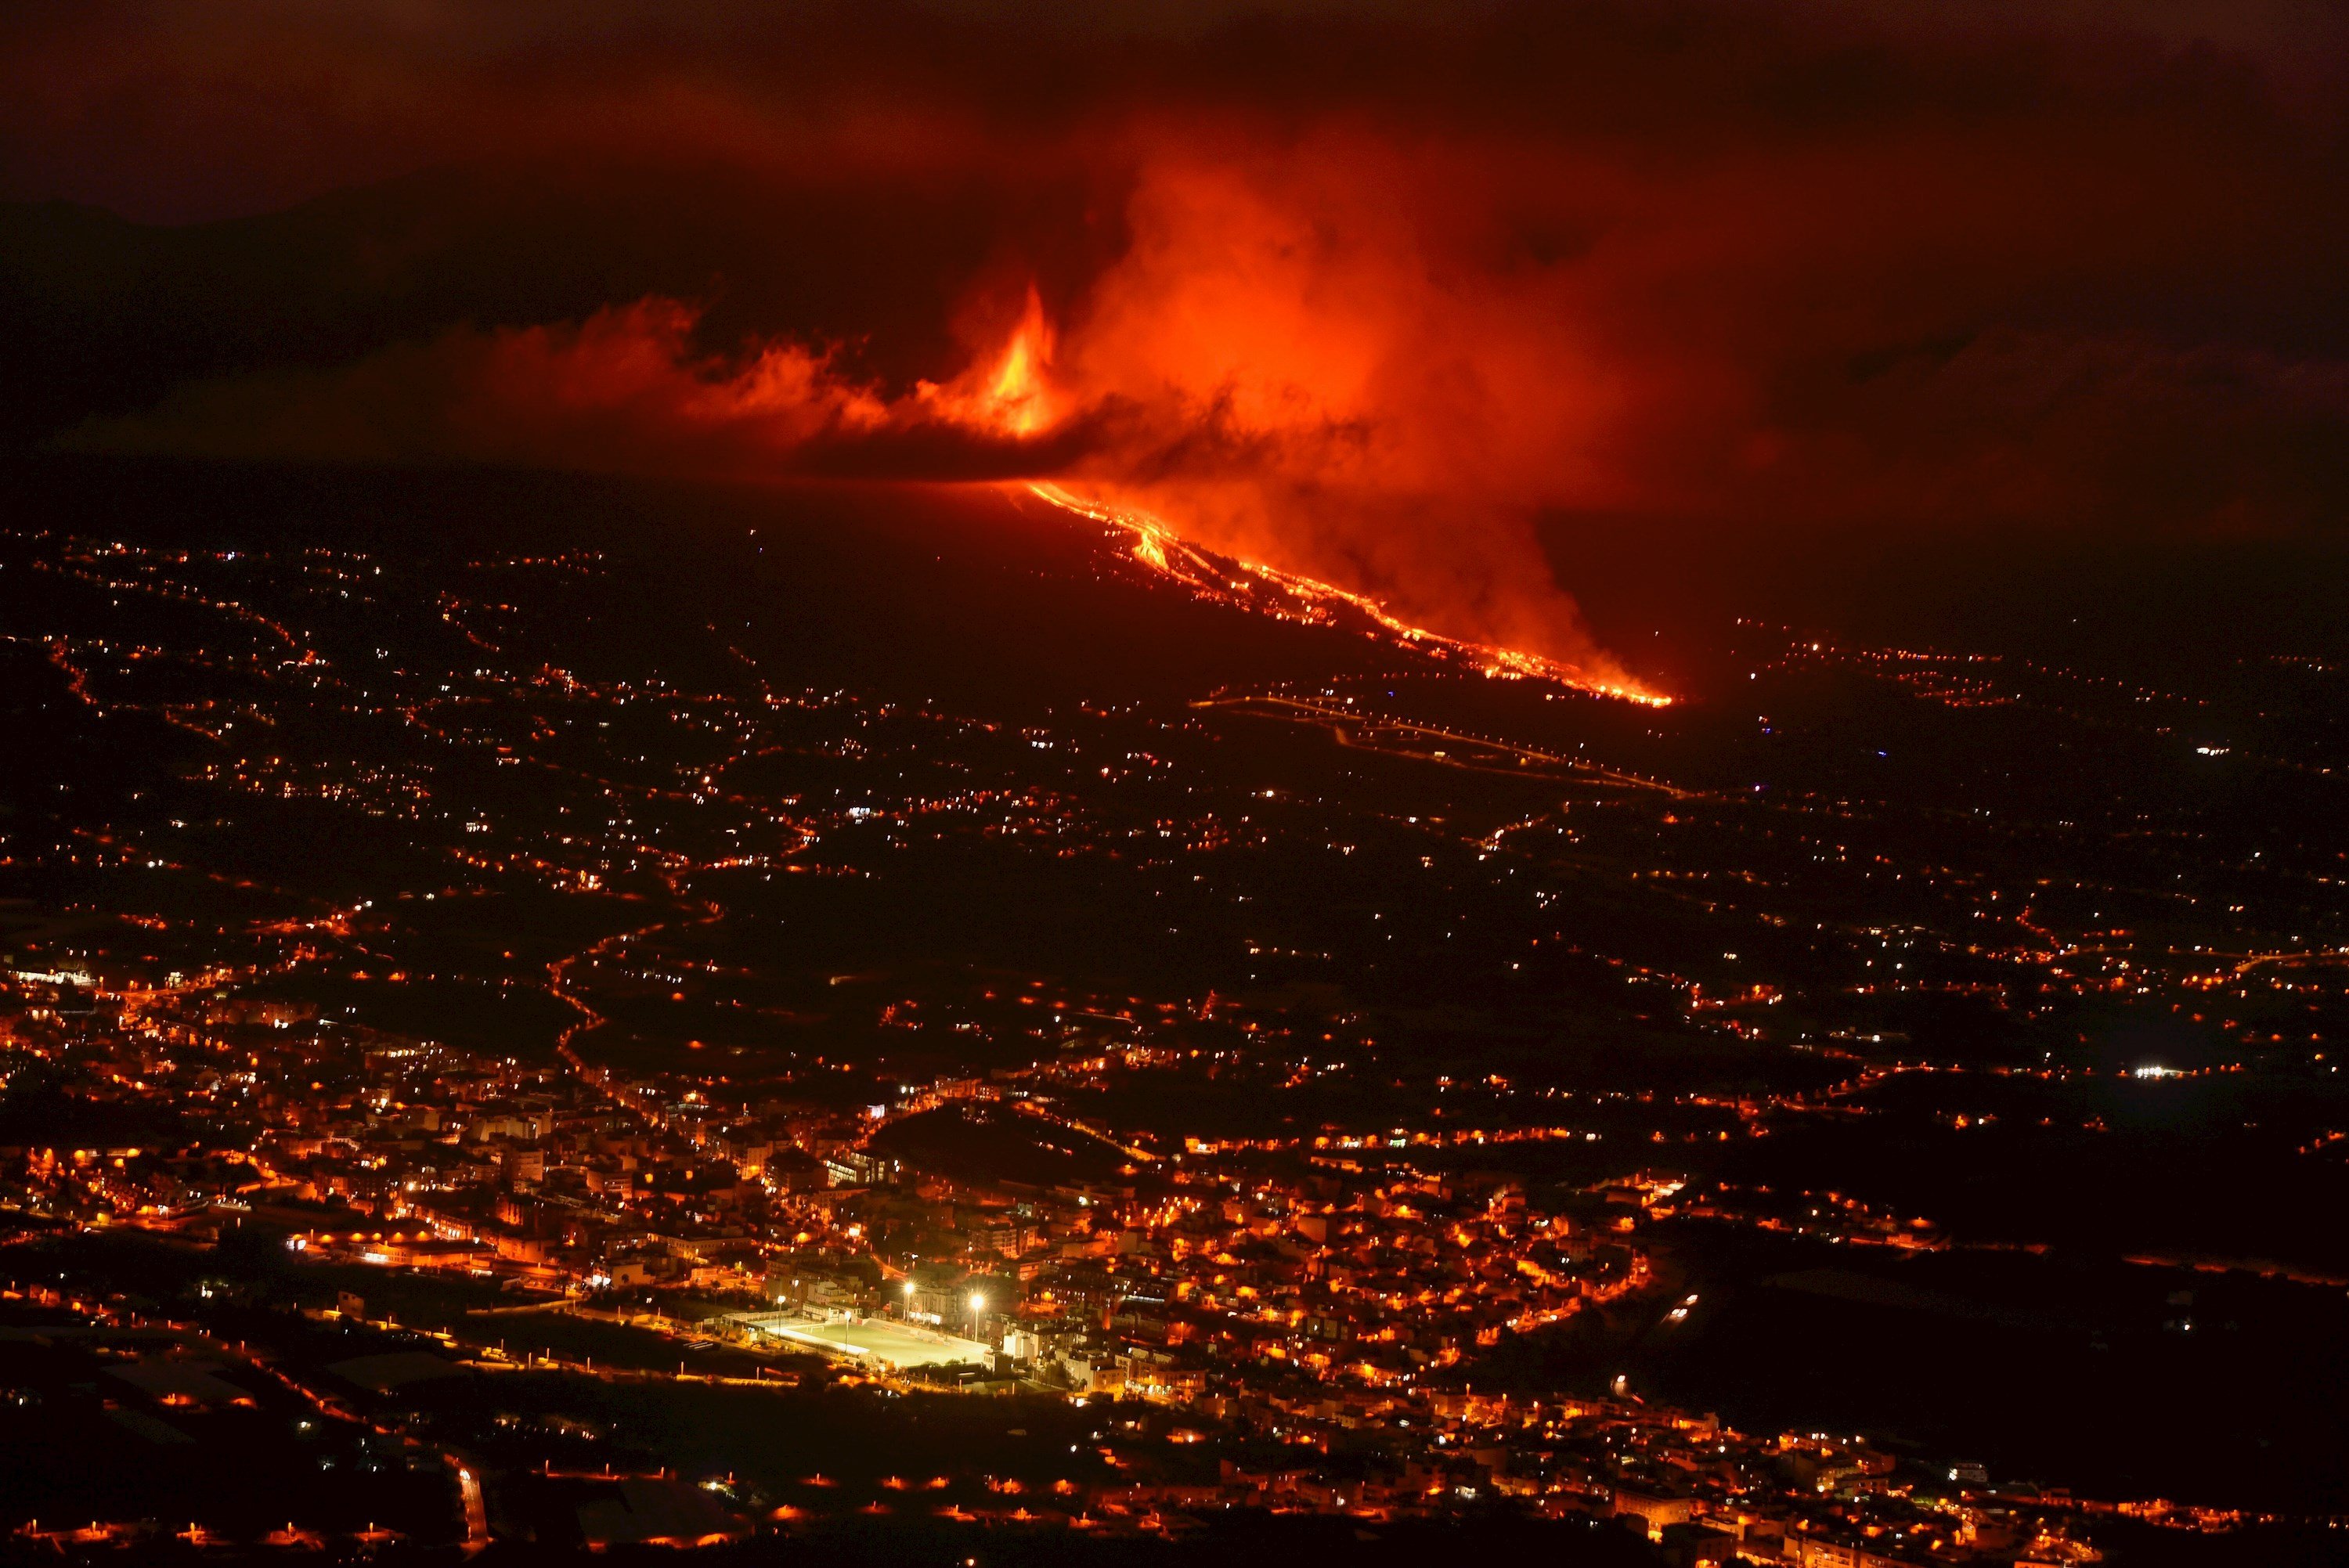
{"type": "Point", "coordinates": [1268, 367]}
{"type": "Point", "coordinates": [1406, 307]}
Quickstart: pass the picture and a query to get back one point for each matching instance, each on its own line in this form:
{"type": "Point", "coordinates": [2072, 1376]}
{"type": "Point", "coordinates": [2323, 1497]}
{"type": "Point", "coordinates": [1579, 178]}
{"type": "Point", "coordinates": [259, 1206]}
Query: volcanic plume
{"type": "Point", "coordinates": [1314, 407]}
{"type": "Point", "coordinates": [1428, 311]}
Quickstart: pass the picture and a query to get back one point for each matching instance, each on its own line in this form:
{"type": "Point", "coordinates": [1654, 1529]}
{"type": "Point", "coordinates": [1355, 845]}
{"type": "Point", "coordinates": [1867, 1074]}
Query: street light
{"type": "Point", "coordinates": [978, 1302]}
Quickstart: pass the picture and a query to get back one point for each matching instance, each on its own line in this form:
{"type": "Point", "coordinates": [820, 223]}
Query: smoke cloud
{"type": "Point", "coordinates": [1385, 301]}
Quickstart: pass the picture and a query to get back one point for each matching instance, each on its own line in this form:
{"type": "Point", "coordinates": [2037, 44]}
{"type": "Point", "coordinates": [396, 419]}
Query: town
{"type": "Point", "coordinates": [1319, 1298]}
{"type": "Point", "coordinates": [1378, 1096]}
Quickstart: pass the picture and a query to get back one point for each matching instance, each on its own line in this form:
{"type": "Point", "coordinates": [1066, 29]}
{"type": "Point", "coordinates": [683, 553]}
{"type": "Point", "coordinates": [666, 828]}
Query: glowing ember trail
{"type": "Point", "coordinates": [1285, 594]}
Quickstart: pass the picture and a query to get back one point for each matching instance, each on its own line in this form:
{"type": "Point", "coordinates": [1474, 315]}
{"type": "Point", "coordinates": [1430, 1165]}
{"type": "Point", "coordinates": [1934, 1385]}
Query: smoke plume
{"type": "Point", "coordinates": [1404, 305]}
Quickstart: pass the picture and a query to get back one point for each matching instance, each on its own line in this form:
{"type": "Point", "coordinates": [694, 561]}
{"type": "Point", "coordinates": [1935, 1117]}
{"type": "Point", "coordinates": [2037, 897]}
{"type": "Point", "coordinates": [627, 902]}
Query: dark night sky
{"type": "Point", "coordinates": [1432, 301]}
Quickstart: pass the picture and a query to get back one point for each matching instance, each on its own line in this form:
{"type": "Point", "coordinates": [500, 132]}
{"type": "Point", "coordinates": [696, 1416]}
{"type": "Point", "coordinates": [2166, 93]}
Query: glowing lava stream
{"type": "Point", "coordinates": [1160, 548]}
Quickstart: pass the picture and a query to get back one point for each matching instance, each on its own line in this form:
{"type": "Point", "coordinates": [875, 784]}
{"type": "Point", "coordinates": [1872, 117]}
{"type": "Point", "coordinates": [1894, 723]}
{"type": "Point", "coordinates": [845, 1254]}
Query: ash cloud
{"type": "Point", "coordinates": [1366, 293]}
{"type": "Point", "coordinates": [624, 392]}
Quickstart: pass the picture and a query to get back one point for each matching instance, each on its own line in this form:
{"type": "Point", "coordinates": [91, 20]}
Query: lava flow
{"type": "Point", "coordinates": [1289, 596]}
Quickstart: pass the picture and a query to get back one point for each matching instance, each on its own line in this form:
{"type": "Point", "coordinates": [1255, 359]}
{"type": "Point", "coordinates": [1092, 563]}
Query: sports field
{"type": "Point", "coordinates": [874, 1339]}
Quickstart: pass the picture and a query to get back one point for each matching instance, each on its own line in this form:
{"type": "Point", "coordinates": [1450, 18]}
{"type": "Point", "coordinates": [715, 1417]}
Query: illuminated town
{"type": "Point", "coordinates": [526, 1096]}
{"type": "Point", "coordinates": [1236, 782]}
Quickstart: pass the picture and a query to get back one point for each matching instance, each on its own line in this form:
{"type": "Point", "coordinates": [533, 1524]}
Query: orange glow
{"type": "Point", "coordinates": [1022, 400]}
{"type": "Point", "coordinates": [1304, 360]}
{"type": "Point", "coordinates": [1347, 425]}
{"type": "Point", "coordinates": [1157, 546]}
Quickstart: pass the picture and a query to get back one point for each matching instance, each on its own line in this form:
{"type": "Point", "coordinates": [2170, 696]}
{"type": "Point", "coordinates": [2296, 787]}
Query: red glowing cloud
{"type": "Point", "coordinates": [624, 391]}
{"type": "Point", "coordinates": [1209, 381]}
{"type": "Point", "coordinates": [1408, 307]}
{"type": "Point", "coordinates": [1314, 379]}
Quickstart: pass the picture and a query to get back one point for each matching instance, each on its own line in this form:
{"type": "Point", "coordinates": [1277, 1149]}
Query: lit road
{"type": "Point", "coordinates": [477, 1512]}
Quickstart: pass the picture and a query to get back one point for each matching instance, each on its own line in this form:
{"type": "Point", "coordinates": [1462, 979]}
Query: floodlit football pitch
{"type": "Point", "coordinates": [873, 1339]}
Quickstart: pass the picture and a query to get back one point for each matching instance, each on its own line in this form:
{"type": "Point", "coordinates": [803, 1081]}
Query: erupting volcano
{"type": "Point", "coordinates": [1016, 398]}
{"type": "Point", "coordinates": [1268, 589]}
{"type": "Point", "coordinates": [1303, 492]}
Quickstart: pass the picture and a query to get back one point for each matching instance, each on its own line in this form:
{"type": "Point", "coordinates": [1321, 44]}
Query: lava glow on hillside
{"type": "Point", "coordinates": [1285, 475]}
{"type": "Point", "coordinates": [1018, 401]}
{"type": "Point", "coordinates": [1268, 589]}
